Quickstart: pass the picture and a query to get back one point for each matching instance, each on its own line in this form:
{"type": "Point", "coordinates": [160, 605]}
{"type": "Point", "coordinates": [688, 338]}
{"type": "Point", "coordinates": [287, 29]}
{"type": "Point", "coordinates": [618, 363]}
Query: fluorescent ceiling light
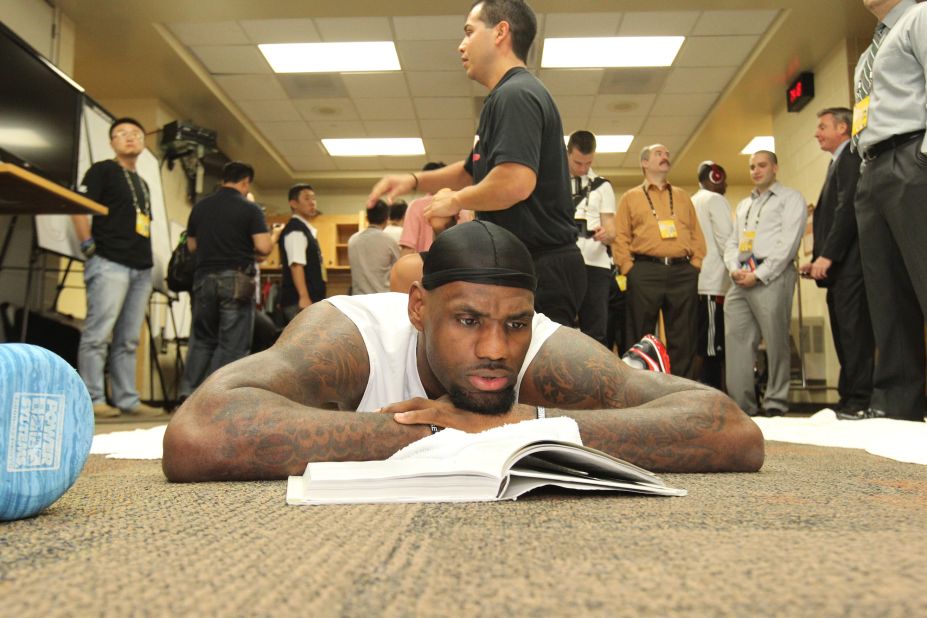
{"type": "Point", "coordinates": [375, 147]}
{"type": "Point", "coordinates": [609, 143]}
{"type": "Point", "coordinates": [331, 57]}
{"type": "Point", "coordinates": [760, 142]}
{"type": "Point", "coordinates": [623, 51]}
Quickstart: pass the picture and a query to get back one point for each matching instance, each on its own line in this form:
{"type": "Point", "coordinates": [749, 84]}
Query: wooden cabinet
{"type": "Point", "coordinates": [334, 232]}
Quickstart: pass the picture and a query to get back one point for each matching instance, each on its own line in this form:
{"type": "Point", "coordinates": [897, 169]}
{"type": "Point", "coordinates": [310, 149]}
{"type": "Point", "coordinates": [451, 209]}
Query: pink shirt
{"type": "Point", "coordinates": [416, 232]}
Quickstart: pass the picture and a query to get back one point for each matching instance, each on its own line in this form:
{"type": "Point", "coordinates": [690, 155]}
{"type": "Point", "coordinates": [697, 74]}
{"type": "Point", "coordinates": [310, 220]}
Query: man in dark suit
{"type": "Point", "coordinates": [836, 265]}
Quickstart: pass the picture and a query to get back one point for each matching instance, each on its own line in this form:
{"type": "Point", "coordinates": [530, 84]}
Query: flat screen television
{"type": "Point", "coordinates": [39, 112]}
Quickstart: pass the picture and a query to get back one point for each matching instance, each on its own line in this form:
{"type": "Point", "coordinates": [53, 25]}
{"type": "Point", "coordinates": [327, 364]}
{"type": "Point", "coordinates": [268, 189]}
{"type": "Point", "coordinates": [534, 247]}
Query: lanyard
{"type": "Point", "coordinates": [132, 190]}
{"type": "Point", "coordinates": [759, 211]}
{"type": "Point", "coordinates": [654, 210]}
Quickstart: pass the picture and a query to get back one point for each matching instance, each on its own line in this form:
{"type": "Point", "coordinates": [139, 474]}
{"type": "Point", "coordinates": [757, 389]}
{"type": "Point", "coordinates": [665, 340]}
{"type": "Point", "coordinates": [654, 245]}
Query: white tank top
{"type": "Point", "coordinates": [390, 339]}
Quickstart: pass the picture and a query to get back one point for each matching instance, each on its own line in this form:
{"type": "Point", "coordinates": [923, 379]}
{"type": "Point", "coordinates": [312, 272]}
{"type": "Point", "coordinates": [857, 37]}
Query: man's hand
{"type": "Point", "coordinates": [389, 187]}
{"type": "Point", "coordinates": [820, 267]}
{"type": "Point", "coordinates": [444, 204]}
{"type": "Point", "coordinates": [603, 236]}
{"type": "Point", "coordinates": [744, 278]}
{"type": "Point", "coordinates": [443, 413]}
{"type": "Point", "coordinates": [304, 302]}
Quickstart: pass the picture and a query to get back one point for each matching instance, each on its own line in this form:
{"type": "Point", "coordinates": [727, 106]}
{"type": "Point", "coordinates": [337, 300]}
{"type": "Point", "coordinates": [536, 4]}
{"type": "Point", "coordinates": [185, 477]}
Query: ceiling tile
{"type": "Point", "coordinates": [313, 85]}
{"type": "Point", "coordinates": [338, 128]}
{"type": "Point", "coordinates": [444, 107]}
{"type": "Point", "coordinates": [715, 51]}
{"type": "Point", "coordinates": [235, 59]}
{"type": "Point", "coordinates": [209, 33]}
{"type": "Point", "coordinates": [688, 104]}
{"type": "Point", "coordinates": [270, 111]}
{"type": "Point", "coordinates": [658, 23]}
{"type": "Point", "coordinates": [403, 163]}
{"type": "Point", "coordinates": [429, 27]}
{"type": "Point", "coordinates": [442, 128]}
{"type": "Point", "coordinates": [611, 105]}
{"type": "Point", "coordinates": [311, 164]}
{"type": "Point", "coordinates": [574, 105]}
{"type": "Point", "coordinates": [572, 81]}
{"type": "Point", "coordinates": [281, 30]}
{"type": "Point", "coordinates": [558, 25]}
{"type": "Point", "coordinates": [429, 55]}
{"type": "Point", "coordinates": [251, 87]}
{"type": "Point", "coordinates": [385, 108]}
{"type": "Point", "coordinates": [357, 163]}
{"type": "Point", "coordinates": [461, 146]}
{"type": "Point", "coordinates": [574, 123]}
{"type": "Point", "coordinates": [698, 80]}
{"type": "Point", "coordinates": [301, 148]}
{"type": "Point", "coordinates": [671, 125]}
{"type": "Point", "coordinates": [391, 128]}
{"type": "Point", "coordinates": [733, 22]}
{"type": "Point", "coordinates": [326, 109]}
{"type": "Point", "coordinates": [439, 83]}
{"type": "Point", "coordinates": [647, 80]}
{"type": "Point", "coordinates": [336, 29]}
{"type": "Point", "coordinates": [616, 125]}
{"type": "Point", "coordinates": [375, 85]}
{"type": "Point", "coordinates": [276, 131]}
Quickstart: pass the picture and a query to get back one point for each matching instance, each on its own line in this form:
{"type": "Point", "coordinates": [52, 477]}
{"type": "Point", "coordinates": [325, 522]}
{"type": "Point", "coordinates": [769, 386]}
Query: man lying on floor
{"type": "Point", "coordinates": [464, 349]}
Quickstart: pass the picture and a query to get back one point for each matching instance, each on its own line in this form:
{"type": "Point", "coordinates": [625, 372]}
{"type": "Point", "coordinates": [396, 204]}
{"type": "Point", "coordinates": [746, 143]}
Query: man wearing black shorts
{"type": "Point", "coordinates": [516, 175]}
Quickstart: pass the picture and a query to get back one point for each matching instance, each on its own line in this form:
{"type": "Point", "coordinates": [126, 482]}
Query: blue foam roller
{"type": "Point", "coordinates": [46, 428]}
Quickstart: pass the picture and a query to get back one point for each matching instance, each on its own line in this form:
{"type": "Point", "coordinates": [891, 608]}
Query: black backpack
{"type": "Point", "coordinates": [180, 267]}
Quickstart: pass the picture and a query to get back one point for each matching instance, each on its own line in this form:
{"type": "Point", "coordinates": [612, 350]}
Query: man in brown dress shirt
{"type": "Point", "coordinates": [659, 246]}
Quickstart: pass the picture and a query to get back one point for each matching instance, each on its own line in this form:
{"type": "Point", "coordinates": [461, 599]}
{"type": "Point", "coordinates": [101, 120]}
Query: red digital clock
{"type": "Point", "coordinates": [800, 92]}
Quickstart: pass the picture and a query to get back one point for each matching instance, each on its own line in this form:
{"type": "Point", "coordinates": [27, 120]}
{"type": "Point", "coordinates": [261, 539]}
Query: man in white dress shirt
{"type": "Point", "coordinates": [759, 255]}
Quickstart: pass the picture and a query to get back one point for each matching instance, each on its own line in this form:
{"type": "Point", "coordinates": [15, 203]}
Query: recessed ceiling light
{"type": "Point", "coordinates": [375, 147]}
{"type": "Point", "coordinates": [622, 51]}
{"type": "Point", "coordinates": [331, 57]}
{"type": "Point", "coordinates": [760, 142]}
{"type": "Point", "coordinates": [609, 143]}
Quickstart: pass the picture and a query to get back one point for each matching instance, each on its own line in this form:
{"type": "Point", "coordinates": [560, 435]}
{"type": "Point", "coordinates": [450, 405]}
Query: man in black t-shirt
{"type": "Point", "coordinates": [516, 175]}
{"type": "Point", "coordinates": [117, 273]}
{"type": "Point", "coordinates": [225, 232]}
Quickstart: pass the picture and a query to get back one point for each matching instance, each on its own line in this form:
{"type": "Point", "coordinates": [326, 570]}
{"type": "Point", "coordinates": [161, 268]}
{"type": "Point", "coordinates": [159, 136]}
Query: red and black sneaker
{"type": "Point", "coordinates": [652, 353]}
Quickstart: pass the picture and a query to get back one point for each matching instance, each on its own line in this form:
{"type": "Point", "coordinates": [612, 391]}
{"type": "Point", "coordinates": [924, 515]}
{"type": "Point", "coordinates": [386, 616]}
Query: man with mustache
{"type": "Point", "coordinates": [464, 349]}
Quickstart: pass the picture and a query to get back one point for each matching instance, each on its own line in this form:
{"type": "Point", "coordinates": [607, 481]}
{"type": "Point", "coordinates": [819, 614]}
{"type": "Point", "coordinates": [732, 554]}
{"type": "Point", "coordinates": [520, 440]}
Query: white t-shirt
{"type": "Point", "coordinates": [600, 201]}
{"type": "Point", "coordinates": [295, 244]}
{"type": "Point", "coordinates": [390, 339]}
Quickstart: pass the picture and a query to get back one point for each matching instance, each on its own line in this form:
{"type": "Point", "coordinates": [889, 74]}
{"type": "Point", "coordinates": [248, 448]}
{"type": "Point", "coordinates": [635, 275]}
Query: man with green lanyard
{"type": "Point", "coordinates": [759, 255]}
{"type": "Point", "coordinates": [659, 246]}
{"type": "Point", "coordinates": [117, 273]}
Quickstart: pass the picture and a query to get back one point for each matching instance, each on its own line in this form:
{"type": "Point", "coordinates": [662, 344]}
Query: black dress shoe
{"type": "Point", "coordinates": [860, 415]}
{"type": "Point", "coordinates": [770, 412]}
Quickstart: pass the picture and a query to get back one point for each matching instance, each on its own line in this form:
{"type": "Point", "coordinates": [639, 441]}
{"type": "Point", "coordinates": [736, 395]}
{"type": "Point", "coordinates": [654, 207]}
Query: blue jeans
{"type": "Point", "coordinates": [117, 297]}
{"type": "Point", "coordinates": [222, 328]}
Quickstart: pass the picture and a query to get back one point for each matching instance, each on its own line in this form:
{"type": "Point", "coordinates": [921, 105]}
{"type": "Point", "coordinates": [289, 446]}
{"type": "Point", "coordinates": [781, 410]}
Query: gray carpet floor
{"type": "Point", "coordinates": [818, 532]}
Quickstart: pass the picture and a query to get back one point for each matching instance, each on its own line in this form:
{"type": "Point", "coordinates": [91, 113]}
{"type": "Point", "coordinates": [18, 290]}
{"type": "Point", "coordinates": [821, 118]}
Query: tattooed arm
{"type": "Point", "coordinates": [267, 415]}
{"type": "Point", "coordinates": [655, 420]}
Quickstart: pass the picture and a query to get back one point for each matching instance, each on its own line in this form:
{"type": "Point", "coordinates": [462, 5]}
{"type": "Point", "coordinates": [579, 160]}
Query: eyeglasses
{"type": "Point", "coordinates": [125, 134]}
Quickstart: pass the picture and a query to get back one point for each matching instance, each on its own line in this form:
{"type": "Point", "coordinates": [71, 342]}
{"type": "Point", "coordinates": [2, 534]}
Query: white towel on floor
{"type": "Point", "coordinates": [899, 440]}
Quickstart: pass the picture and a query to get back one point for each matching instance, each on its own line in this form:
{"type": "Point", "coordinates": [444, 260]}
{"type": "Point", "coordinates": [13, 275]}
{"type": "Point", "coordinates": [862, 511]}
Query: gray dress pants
{"type": "Point", "coordinates": [750, 313]}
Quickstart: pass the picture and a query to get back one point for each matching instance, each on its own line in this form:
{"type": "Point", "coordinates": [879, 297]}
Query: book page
{"type": "Point", "coordinates": [506, 439]}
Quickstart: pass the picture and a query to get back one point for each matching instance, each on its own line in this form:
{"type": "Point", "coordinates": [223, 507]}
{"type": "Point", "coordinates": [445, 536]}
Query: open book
{"type": "Point", "coordinates": [453, 466]}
